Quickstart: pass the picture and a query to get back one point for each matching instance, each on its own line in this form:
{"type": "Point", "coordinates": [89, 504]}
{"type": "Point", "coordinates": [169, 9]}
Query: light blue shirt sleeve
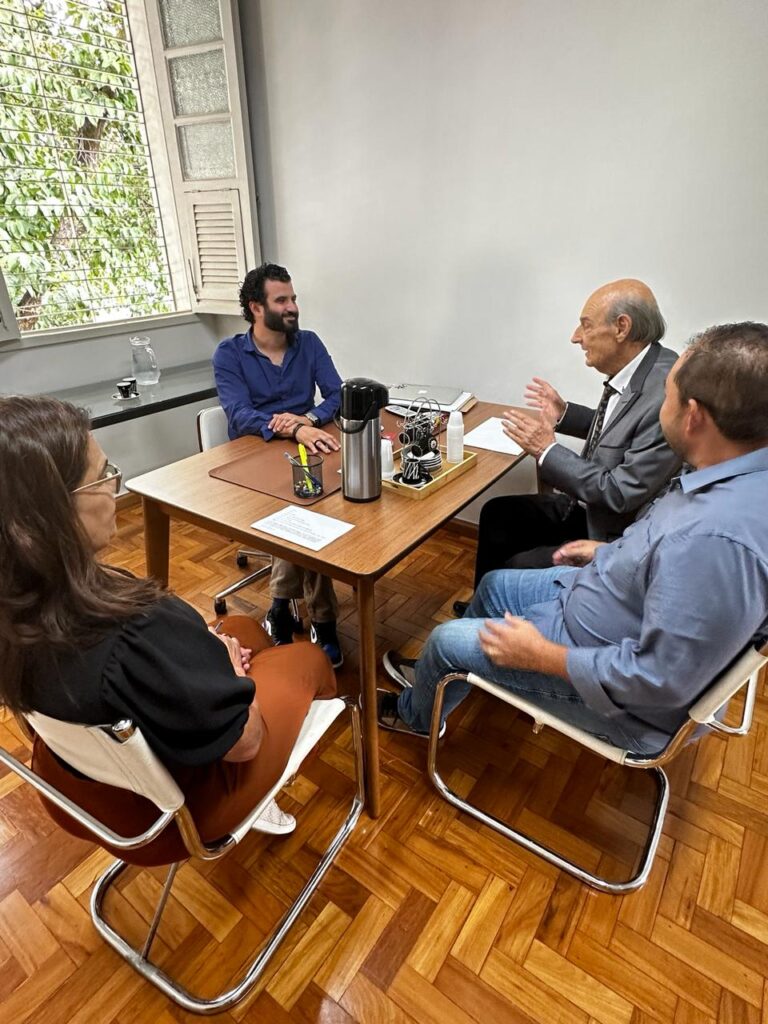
{"type": "Point", "coordinates": [705, 600]}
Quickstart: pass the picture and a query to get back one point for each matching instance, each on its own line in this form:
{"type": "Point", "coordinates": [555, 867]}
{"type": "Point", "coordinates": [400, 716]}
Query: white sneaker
{"type": "Point", "coordinates": [274, 821]}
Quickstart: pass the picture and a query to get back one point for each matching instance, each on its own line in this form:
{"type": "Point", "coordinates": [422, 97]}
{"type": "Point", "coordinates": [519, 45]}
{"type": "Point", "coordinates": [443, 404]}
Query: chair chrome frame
{"type": "Point", "coordinates": [196, 847]}
{"type": "Point", "coordinates": [742, 673]}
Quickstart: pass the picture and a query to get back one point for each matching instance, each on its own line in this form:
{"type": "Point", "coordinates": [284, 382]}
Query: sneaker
{"type": "Point", "coordinates": [460, 608]}
{"type": "Point", "coordinates": [281, 624]}
{"type": "Point", "coordinates": [274, 821]}
{"type": "Point", "coordinates": [324, 634]}
{"type": "Point", "coordinates": [389, 716]}
{"type": "Point", "coordinates": [402, 671]}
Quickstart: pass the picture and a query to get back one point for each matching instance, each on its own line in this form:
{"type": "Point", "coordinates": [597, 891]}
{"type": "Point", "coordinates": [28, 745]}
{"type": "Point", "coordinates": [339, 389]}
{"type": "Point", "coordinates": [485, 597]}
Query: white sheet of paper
{"type": "Point", "coordinates": [490, 435]}
{"type": "Point", "coordinates": [300, 526]}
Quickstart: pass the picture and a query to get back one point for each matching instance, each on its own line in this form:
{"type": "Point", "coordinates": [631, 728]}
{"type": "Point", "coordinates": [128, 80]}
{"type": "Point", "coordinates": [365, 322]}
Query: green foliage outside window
{"type": "Point", "coordinates": [80, 233]}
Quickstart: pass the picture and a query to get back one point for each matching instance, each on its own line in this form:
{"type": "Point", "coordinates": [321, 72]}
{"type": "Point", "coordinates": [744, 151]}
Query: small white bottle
{"type": "Point", "coordinates": [455, 437]}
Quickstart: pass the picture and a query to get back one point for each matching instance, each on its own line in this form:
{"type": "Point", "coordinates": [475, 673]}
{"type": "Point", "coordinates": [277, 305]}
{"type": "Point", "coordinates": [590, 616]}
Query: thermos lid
{"type": "Point", "coordinates": [362, 397]}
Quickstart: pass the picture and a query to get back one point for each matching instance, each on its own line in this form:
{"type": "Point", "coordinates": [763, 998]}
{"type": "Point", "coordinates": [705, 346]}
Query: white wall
{"type": "Point", "coordinates": [451, 178]}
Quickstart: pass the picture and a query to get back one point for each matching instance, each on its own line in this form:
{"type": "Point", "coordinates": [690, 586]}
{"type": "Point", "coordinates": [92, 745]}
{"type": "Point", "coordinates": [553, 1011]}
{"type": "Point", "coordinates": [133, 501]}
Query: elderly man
{"type": "Point", "coordinates": [625, 460]}
{"type": "Point", "coordinates": [623, 646]}
{"type": "Point", "coordinates": [267, 379]}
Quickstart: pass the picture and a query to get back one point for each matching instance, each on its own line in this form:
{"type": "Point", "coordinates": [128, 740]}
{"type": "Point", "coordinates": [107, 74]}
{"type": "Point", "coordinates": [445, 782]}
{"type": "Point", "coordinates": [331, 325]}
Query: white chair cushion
{"type": "Point", "coordinates": [541, 717]}
{"type": "Point", "coordinates": [130, 764]}
{"type": "Point", "coordinates": [320, 717]}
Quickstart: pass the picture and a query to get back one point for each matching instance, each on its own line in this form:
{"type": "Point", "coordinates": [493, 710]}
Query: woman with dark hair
{"type": "Point", "coordinates": [82, 641]}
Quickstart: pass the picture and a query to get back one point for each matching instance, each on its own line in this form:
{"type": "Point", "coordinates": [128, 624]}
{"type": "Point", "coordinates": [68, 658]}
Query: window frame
{"type": "Point", "coordinates": [175, 195]}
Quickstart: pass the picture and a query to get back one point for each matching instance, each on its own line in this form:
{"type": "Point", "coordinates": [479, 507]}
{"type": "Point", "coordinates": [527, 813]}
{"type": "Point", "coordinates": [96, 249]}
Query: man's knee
{"type": "Point", "coordinates": [445, 644]}
{"type": "Point", "coordinates": [489, 585]}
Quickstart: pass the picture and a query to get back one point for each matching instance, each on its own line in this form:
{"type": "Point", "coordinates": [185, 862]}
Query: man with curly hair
{"type": "Point", "coordinates": [267, 379]}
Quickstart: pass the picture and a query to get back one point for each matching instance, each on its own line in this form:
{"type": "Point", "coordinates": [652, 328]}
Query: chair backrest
{"type": "Point", "coordinates": [212, 427]}
{"type": "Point", "coordinates": [118, 756]}
{"type": "Point", "coordinates": [727, 685]}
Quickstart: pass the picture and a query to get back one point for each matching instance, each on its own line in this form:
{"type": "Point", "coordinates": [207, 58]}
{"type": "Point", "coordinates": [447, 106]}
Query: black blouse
{"type": "Point", "coordinates": [166, 672]}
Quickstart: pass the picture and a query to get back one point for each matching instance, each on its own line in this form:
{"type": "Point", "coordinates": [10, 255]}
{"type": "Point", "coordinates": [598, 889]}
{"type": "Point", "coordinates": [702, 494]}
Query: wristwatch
{"type": "Point", "coordinates": [314, 421]}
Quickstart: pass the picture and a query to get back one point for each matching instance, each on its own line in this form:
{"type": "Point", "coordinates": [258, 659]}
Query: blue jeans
{"type": "Point", "coordinates": [455, 647]}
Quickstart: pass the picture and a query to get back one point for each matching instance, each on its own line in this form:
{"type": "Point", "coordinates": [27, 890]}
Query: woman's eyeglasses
{"type": "Point", "coordinates": [112, 475]}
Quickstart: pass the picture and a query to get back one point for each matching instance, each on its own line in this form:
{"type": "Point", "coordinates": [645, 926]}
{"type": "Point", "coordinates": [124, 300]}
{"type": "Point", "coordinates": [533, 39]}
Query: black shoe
{"type": "Point", "coordinates": [402, 671]}
{"type": "Point", "coordinates": [280, 623]}
{"type": "Point", "coordinates": [460, 608]}
{"type": "Point", "coordinates": [389, 717]}
{"type": "Point", "coordinates": [324, 634]}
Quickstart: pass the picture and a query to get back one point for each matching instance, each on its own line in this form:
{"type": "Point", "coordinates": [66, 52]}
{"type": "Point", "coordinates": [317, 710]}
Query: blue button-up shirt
{"type": "Point", "coordinates": [252, 389]}
{"type": "Point", "coordinates": [664, 609]}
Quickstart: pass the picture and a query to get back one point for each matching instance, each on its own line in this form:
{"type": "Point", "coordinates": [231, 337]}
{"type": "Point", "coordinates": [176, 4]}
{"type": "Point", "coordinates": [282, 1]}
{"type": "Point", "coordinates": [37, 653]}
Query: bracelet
{"type": "Point", "coordinates": [296, 429]}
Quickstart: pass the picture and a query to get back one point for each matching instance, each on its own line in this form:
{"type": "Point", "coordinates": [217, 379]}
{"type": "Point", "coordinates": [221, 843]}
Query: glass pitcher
{"type": "Point", "coordinates": [144, 365]}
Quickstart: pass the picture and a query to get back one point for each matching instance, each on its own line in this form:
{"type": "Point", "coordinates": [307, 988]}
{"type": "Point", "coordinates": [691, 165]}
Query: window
{"type": "Point", "coordinates": [113, 112]}
{"type": "Point", "coordinates": [81, 239]}
{"type": "Point", "coordinates": [199, 72]}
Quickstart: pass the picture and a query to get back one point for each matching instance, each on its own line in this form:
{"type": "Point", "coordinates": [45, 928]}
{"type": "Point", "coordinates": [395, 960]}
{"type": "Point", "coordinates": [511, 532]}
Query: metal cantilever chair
{"type": "Point", "coordinates": [119, 756]}
{"type": "Point", "coordinates": [212, 431]}
{"type": "Point", "coordinates": [703, 715]}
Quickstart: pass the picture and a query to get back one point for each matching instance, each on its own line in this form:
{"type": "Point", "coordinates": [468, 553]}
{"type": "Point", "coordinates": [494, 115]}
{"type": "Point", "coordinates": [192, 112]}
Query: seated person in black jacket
{"type": "Point", "coordinates": [84, 642]}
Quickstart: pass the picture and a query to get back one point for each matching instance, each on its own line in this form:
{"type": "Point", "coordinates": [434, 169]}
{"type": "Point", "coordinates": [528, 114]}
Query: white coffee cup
{"type": "Point", "coordinates": [387, 459]}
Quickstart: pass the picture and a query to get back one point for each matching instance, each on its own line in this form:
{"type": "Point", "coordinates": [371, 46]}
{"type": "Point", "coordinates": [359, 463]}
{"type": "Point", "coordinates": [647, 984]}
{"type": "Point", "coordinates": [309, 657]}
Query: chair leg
{"type": "Point", "coordinates": [244, 582]}
{"type": "Point", "coordinates": [527, 842]}
{"type": "Point", "coordinates": [223, 1002]}
{"type": "Point", "coordinates": [159, 910]}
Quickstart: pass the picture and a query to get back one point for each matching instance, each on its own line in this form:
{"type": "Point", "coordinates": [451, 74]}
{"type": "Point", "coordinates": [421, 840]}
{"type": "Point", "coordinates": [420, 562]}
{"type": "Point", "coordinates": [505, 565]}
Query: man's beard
{"type": "Point", "coordinates": [277, 322]}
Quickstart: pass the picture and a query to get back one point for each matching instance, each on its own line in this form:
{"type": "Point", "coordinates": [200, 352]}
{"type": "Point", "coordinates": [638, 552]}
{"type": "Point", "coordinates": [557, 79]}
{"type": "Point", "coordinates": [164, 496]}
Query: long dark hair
{"type": "Point", "coordinates": [54, 595]}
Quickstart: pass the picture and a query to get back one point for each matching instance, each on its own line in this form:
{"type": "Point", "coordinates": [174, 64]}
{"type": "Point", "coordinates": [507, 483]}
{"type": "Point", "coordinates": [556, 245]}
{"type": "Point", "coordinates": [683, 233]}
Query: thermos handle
{"type": "Point", "coordinates": [372, 409]}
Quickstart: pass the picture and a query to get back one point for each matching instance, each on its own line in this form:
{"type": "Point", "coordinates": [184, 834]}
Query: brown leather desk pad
{"type": "Point", "coordinates": [268, 471]}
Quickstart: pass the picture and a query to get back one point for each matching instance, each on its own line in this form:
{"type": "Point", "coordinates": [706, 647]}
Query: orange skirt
{"type": "Point", "coordinates": [221, 794]}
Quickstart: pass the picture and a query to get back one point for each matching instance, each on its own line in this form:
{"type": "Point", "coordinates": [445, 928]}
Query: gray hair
{"type": "Point", "coordinates": [648, 325]}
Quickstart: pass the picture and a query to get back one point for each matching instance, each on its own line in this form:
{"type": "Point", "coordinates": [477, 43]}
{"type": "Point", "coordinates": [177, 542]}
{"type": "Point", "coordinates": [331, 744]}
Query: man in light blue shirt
{"type": "Point", "coordinates": [623, 646]}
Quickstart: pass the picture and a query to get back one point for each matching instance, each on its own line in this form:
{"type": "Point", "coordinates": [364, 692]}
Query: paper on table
{"type": "Point", "coordinates": [491, 436]}
{"type": "Point", "coordinates": [300, 526]}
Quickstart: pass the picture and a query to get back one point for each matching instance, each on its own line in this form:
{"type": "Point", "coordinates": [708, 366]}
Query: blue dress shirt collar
{"type": "Point", "coordinates": [752, 462]}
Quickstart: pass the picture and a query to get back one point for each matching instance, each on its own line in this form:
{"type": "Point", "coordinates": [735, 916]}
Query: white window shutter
{"type": "Point", "coordinates": [216, 244]}
{"type": "Point", "coordinates": [201, 91]}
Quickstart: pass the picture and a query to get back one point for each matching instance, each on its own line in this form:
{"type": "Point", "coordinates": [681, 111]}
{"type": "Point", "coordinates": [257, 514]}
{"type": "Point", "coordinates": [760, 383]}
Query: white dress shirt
{"type": "Point", "coordinates": [619, 382]}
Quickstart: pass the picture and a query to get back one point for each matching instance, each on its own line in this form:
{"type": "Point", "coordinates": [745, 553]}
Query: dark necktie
{"type": "Point", "coordinates": [597, 423]}
{"type": "Point", "coordinates": [594, 432]}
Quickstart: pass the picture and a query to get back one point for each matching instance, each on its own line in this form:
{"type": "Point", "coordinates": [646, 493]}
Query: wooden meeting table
{"type": "Point", "coordinates": [385, 531]}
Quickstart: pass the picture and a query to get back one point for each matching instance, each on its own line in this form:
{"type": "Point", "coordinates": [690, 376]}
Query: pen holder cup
{"type": "Point", "coordinates": [307, 479]}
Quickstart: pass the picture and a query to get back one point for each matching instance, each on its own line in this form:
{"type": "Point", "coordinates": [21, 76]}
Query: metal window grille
{"type": "Point", "coordinates": [81, 237]}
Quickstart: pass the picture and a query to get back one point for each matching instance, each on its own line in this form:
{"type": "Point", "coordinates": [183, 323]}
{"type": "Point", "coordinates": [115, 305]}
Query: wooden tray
{"type": "Point", "coordinates": [449, 472]}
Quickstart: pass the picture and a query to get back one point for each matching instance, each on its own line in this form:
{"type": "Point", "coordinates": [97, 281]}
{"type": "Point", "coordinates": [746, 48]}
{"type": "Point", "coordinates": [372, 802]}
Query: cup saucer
{"type": "Point", "coordinates": [127, 398]}
{"type": "Point", "coordinates": [398, 478]}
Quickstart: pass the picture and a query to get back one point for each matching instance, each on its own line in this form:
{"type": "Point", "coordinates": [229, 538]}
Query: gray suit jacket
{"type": "Point", "coordinates": [632, 461]}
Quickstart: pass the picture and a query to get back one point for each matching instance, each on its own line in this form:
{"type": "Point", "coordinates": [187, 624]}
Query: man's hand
{"type": "Point", "coordinates": [532, 433]}
{"type": "Point", "coordinates": [316, 440]}
{"type": "Point", "coordinates": [285, 422]}
{"type": "Point", "coordinates": [516, 643]}
{"type": "Point", "coordinates": [576, 552]}
{"type": "Point", "coordinates": [542, 396]}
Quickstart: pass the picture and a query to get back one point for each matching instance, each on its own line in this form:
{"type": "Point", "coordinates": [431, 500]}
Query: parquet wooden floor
{"type": "Point", "coordinates": [426, 916]}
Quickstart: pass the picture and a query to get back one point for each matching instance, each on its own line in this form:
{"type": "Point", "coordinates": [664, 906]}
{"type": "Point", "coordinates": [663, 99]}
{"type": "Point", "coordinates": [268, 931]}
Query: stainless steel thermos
{"type": "Point", "coordinates": [359, 421]}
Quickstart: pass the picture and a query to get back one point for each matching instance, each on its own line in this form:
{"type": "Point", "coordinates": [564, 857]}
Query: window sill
{"type": "Point", "coordinates": [60, 336]}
